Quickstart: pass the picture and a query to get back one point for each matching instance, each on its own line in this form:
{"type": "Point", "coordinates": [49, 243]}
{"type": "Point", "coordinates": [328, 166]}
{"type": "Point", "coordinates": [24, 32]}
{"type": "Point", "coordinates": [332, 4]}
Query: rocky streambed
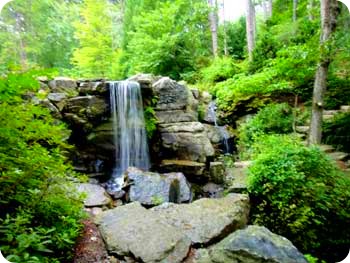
{"type": "Point", "coordinates": [162, 215]}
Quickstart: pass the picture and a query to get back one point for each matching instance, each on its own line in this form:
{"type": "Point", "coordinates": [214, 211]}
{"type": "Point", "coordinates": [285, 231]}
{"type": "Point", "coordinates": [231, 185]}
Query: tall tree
{"type": "Point", "coordinates": [269, 8]}
{"type": "Point", "coordinates": [250, 27]}
{"type": "Point", "coordinates": [329, 12]}
{"type": "Point", "coordinates": [295, 8]}
{"type": "Point", "coordinates": [213, 26]}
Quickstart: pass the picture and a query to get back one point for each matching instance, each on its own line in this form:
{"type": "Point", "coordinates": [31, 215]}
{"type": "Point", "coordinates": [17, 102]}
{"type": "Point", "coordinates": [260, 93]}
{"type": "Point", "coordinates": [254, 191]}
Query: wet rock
{"type": "Point", "coordinates": [185, 141]}
{"type": "Point", "coordinates": [93, 88]}
{"type": "Point", "coordinates": [207, 220]}
{"type": "Point", "coordinates": [176, 116]}
{"type": "Point", "coordinates": [145, 80]}
{"type": "Point", "coordinates": [133, 230]}
{"type": "Point", "coordinates": [217, 172]}
{"type": "Point", "coordinates": [64, 85]}
{"type": "Point", "coordinates": [153, 188]}
{"type": "Point", "coordinates": [88, 107]}
{"type": "Point", "coordinates": [96, 195]}
{"type": "Point", "coordinates": [172, 95]}
{"type": "Point", "coordinates": [103, 137]}
{"type": "Point", "coordinates": [190, 169]}
{"type": "Point", "coordinates": [58, 99]}
{"type": "Point", "coordinates": [212, 190]}
{"type": "Point", "coordinates": [254, 244]}
{"type": "Point", "coordinates": [90, 247]}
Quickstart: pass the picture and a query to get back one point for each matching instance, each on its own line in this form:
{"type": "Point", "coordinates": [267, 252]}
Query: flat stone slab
{"type": "Point", "coordinates": [207, 220]}
{"type": "Point", "coordinates": [96, 195]}
{"type": "Point", "coordinates": [132, 230]}
{"type": "Point", "coordinates": [189, 168]}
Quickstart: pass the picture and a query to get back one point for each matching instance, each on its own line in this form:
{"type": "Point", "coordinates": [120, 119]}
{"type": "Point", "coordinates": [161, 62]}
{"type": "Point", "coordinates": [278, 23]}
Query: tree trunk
{"type": "Point", "coordinates": [329, 11]}
{"type": "Point", "coordinates": [310, 8]}
{"type": "Point", "coordinates": [213, 27]}
{"type": "Point", "coordinates": [250, 28]}
{"type": "Point", "coordinates": [225, 30]}
{"type": "Point", "coordinates": [269, 8]}
{"type": "Point", "coordinates": [265, 12]}
{"type": "Point", "coordinates": [295, 8]}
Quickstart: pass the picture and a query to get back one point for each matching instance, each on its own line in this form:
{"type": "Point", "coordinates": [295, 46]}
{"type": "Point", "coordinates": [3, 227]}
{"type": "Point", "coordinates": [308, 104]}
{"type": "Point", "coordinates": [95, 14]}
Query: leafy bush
{"type": "Point", "coordinates": [40, 208]}
{"type": "Point", "coordinates": [222, 68]}
{"type": "Point", "coordinates": [337, 132]}
{"type": "Point", "coordinates": [298, 192]}
{"type": "Point", "coordinates": [273, 119]}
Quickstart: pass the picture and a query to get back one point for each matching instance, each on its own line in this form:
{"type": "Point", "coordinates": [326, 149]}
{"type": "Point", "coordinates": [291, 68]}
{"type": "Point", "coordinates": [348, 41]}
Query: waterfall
{"type": "Point", "coordinates": [212, 114]}
{"type": "Point", "coordinates": [130, 138]}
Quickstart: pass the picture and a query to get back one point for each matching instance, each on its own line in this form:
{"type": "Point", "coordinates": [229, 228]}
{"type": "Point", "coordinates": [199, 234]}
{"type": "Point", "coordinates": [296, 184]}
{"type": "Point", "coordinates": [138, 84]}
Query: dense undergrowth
{"type": "Point", "coordinates": [40, 208]}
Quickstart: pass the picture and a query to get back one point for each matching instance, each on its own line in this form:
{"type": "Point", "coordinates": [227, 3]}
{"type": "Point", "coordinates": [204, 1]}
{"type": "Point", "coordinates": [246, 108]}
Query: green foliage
{"type": "Point", "coordinates": [172, 39]}
{"type": "Point", "coordinates": [97, 55]}
{"type": "Point", "coordinates": [337, 132]}
{"type": "Point", "coordinates": [299, 193]}
{"type": "Point", "coordinates": [272, 119]}
{"type": "Point", "coordinates": [221, 68]}
{"type": "Point", "coordinates": [41, 209]}
{"type": "Point", "coordinates": [150, 121]}
{"type": "Point", "coordinates": [236, 38]}
{"type": "Point", "coordinates": [37, 33]}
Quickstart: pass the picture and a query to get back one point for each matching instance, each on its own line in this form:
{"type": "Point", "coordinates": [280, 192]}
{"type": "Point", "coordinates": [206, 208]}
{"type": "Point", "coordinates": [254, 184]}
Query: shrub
{"type": "Point", "coordinates": [40, 208]}
{"type": "Point", "coordinates": [273, 119]}
{"type": "Point", "coordinates": [299, 193]}
{"type": "Point", "coordinates": [222, 68]}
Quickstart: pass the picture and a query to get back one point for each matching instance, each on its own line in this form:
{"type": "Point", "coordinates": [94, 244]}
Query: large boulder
{"type": "Point", "coordinates": [254, 244]}
{"type": "Point", "coordinates": [132, 230]}
{"type": "Point", "coordinates": [172, 95]}
{"type": "Point", "coordinates": [96, 195]}
{"type": "Point", "coordinates": [92, 88]}
{"type": "Point", "coordinates": [87, 106]}
{"type": "Point", "coordinates": [207, 220]}
{"type": "Point", "coordinates": [64, 85]}
{"type": "Point", "coordinates": [59, 99]}
{"type": "Point", "coordinates": [185, 141]}
{"type": "Point", "coordinates": [153, 188]}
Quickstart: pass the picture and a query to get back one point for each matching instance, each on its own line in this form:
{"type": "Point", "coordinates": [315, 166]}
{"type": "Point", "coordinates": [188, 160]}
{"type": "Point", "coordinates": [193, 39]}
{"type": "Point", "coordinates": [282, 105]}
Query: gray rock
{"type": "Point", "coordinates": [133, 230]}
{"type": "Point", "coordinates": [195, 93]}
{"type": "Point", "coordinates": [207, 220]}
{"type": "Point", "coordinates": [172, 95]}
{"type": "Point", "coordinates": [51, 107]}
{"type": "Point", "coordinates": [153, 188]}
{"type": "Point", "coordinates": [96, 195]}
{"type": "Point", "coordinates": [217, 172]}
{"type": "Point", "coordinates": [102, 137]}
{"type": "Point", "coordinates": [254, 244]}
{"type": "Point", "coordinates": [64, 85]}
{"type": "Point", "coordinates": [212, 190]}
{"type": "Point", "coordinates": [189, 168]}
{"type": "Point", "coordinates": [88, 107]}
{"type": "Point", "coordinates": [58, 99]}
{"type": "Point", "coordinates": [145, 80]}
{"type": "Point", "coordinates": [93, 88]}
{"type": "Point", "coordinates": [176, 116]}
{"type": "Point", "coordinates": [214, 133]}
{"type": "Point", "coordinates": [185, 141]}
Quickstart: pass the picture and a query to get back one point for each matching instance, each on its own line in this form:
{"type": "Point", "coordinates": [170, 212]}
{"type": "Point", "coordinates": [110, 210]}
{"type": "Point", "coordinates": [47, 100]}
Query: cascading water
{"type": "Point", "coordinates": [212, 113]}
{"type": "Point", "coordinates": [130, 138]}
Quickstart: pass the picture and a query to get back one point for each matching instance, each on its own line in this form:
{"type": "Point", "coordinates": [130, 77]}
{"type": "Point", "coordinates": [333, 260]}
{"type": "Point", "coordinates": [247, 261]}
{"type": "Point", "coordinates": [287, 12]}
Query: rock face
{"type": "Point", "coordinates": [186, 141]}
{"type": "Point", "coordinates": [64, 85]}
{"type": "Point", "coordinates": [217, 172]}
{"type": "Point", "coordinates": [96, 195]}
{"type": "Point", "coordinates": [253, 244]}
{"type": "Point", "coordinates": [133, 230]}
{"type": "Point", "coordinates": [154, 188]}
{"type": "Point", "coordinates": [207, 220]}
{"type": "Point", "coordinates": [172, 95]}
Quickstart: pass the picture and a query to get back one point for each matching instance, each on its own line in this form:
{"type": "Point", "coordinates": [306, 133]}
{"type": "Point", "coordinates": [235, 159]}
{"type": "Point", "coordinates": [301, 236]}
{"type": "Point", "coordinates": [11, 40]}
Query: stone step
{"type": "Point", "coordinates": [339, 156]}
{"type": "Point", "coordinates": [345, 108]}
{"type": "Point", "coordinates": [189, 168]}
{"type": "Point", "coordinates": [302, 129]}
{"type": "Point", "coordinates": [327, 148]}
